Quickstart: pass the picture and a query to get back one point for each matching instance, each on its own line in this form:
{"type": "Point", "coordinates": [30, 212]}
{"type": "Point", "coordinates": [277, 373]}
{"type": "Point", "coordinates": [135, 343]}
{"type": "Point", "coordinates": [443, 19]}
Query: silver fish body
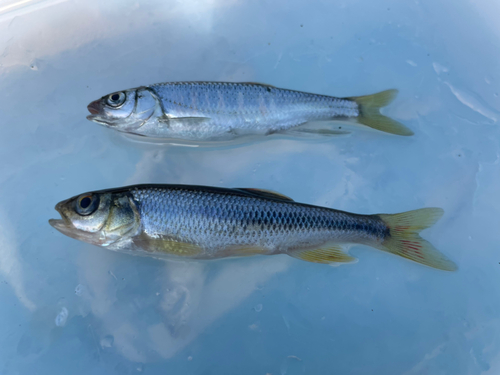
{"type": "Point", "coordinates": [214, 111]}
{"type": "Point", "coordinates": [222, 221]}
{"type": "Point", "coordinates": [206, 223]}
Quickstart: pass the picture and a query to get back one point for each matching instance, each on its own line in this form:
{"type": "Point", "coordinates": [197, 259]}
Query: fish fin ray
{"type": "Point", "coordinates": [325, 254]}
{"type": "Point", "coordinates": [266, 193]}
{"type": "Point", "coordinates": [369, 112]}
{"type": "Point", "coordinates": [405, 241]}
{"type": "Point", "coordinates": [185, 121]}
{"type": "Point", "coordinates": [167, 245]}
{"type": "Point", "coordinates": [313, 129]}
{"type": "Point", "coordinates": [258, 84]}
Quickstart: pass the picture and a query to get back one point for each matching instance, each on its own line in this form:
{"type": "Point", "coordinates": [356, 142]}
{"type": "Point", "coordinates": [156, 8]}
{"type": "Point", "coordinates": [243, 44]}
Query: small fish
{"type": "Point", "coordinates": [218, 111]}
{"type": "Point", "coordinates": [200, 222]}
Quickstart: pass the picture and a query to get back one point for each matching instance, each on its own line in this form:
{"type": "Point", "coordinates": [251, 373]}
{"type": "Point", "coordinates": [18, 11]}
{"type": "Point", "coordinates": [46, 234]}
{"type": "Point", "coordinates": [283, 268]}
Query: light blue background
{"type": "Point", "coordinates": [70, 308]}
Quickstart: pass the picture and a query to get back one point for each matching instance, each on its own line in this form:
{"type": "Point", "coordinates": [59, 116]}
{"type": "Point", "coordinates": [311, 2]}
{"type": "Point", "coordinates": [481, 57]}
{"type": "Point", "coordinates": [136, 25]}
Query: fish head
{"type": "Point", "coordinates": [99, 218]}
{"type": "Point", "coordinates": [125, 111]}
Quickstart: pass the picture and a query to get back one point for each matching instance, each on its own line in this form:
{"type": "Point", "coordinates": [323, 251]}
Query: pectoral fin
{"type": "Point", "coordinates": [167, 246]}
{"type": "Point", "coordinates": [184, 121]}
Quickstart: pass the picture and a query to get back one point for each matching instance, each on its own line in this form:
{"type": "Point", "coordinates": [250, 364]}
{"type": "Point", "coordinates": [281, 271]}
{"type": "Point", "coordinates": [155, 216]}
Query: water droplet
{"type": "Point", "coordinates": [107, 341]}
{"type": "Point", "coordinates": [157, 156]}
{"type": "Point", "coordinates": [62, 317]}
{"type": "Point", "coordinates": [258, 308]}
{"type": "Point", "coordinates": [474, 102]}
{"type": "Point", "coordinates": [438, 68]}
{"type": "Point", "coordinates": [79, 289]}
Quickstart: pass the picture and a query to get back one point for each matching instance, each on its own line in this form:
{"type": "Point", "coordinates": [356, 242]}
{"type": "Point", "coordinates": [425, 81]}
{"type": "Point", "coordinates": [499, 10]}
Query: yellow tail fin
{"type": "Point", "coordinates": [369, 113]}
{"type": "Point", "coordinates": [405, 241]}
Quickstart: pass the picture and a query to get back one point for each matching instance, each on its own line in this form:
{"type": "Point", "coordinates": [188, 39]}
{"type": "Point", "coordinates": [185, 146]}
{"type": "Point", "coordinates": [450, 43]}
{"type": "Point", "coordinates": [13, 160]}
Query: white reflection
{"type": "Point", "coordinates": [206, 301]}
{"type": "Point", "coordinates": [30, 43]}
{"type": "Point", "coordinates": [189, 301]}
{"type": "Point", "coordinates": [16, 8]}
{"type": "Point", "coordinates": [422, 366]}
{"type": "Point", "coordinates": [10, 265]}
{"type": "Point", "coordinates": [473, 102]}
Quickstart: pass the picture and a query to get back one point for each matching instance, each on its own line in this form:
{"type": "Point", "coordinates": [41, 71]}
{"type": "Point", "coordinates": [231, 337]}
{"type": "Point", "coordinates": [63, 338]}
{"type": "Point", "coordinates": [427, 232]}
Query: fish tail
{"type": "Point", "coordinates": [369, 112]}
{"type": "Point", "coordinates": [404, 239]}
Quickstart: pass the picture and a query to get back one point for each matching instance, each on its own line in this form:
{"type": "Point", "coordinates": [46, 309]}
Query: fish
{"type": "Point", "coordinates": [222, 111]}
{"type": "Point", "coordinates": [183, 222]}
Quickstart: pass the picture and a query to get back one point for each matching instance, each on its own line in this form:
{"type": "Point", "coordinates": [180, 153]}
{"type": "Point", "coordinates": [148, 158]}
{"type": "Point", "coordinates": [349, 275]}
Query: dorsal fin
{"type": "Point", "coordinates": [258, 84]}
{"type": "Point", "coordinates": [266, 194]}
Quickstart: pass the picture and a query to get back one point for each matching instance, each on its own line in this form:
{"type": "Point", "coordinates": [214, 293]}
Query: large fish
{"type": "Point", "coordinates": [215, 111]}
{"type": "Point", "coordinates": [206, 222]}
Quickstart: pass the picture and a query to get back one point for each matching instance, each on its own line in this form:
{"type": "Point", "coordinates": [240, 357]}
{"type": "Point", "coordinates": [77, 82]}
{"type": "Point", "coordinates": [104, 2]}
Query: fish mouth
{"type": "Point", "coordinates": [99, 120]}
{"type": "Point", "coordinates": [64, 225]}
{"type": "Point", "coordinates": [94, 107]}
{"type": "Point", "coordinates": [60, 225]}
{"type": "Point", "coordinates": [69, 230]}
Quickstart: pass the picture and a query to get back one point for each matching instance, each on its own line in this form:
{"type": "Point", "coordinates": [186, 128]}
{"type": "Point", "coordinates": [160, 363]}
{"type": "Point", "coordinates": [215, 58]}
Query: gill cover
{"type": "Point", "coordinates": [98, 218]}
{"type": "Point", "coordinates": [125, 110]}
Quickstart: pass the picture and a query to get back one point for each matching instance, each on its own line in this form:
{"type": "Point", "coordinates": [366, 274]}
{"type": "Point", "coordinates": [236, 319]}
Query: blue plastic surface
{"type": "Point", "coordinates": [70, 308]}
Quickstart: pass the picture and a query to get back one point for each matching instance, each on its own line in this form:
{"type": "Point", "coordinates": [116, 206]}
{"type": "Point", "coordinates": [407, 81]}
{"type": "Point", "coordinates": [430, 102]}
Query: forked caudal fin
{"type": "Point", "coordinates": [369, 112]}
{"type": "Point", "coordinates": [404, 239]}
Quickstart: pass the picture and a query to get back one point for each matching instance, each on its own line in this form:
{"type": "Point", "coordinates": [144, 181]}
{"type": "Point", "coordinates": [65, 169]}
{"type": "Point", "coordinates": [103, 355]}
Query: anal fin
{"type": "Point", "coordinates": [315, 129]}
{"type": "Point", "coordinates": [328, 253]}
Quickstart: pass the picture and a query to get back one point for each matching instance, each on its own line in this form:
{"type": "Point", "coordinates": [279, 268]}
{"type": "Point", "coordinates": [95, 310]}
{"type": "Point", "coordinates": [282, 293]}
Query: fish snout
{"type": "Point", "coordinates": [94, 107]}
{"type": "Point", "coordinates": [59, 206]}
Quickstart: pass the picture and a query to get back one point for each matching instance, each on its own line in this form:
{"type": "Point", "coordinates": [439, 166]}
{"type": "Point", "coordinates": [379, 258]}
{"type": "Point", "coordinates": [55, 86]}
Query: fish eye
{"type": "Point", "coordinates": [87, 204]}
{"type": "Point", "coordinates": [116, 99]}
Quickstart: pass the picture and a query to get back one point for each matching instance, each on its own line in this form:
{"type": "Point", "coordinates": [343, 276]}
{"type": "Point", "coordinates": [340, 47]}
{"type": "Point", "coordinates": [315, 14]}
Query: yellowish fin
{"type": "Point", "coordinates": [404, 239]}
{"type": "Point", "coordinates": [246, 251]}
{"type": "Point", "coordinates": [167, 246]}
{"type": "Point", "coordinates": [369, 113]}
{"type": "Point", "coordinates": [325, 254]}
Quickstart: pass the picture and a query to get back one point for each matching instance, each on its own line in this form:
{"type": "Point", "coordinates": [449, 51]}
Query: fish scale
{"type": "Point", "coordinates": [211, 99]}
{"type": "Point", "coordinates": [232, 109]}
{"type": "Point", "coordinates": [188, 216]}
